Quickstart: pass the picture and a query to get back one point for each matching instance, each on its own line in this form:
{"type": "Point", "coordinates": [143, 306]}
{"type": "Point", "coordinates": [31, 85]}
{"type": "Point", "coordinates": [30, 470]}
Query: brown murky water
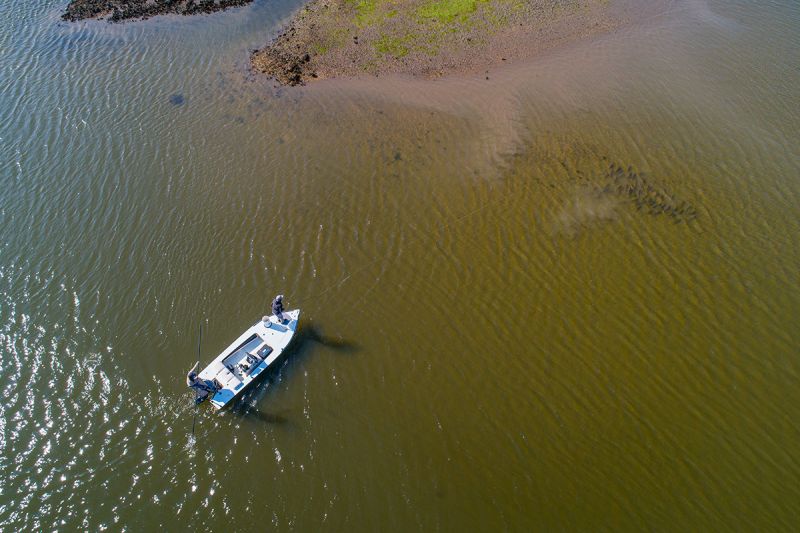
{"type": "Point", "coordinates": [562, 298]}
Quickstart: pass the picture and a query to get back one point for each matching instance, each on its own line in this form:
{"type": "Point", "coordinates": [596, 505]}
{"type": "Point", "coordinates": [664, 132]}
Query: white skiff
{"type": "Point", "coordinates": [240, 364]}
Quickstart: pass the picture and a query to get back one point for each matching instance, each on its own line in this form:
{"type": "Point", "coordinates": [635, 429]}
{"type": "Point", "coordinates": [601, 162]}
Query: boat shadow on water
{"type": "Point", "coordinates": [311, 334]}
{"type": "Point", "coordinates": [253, 414]}
{"type": "Point", "coordinates": [308, 338]}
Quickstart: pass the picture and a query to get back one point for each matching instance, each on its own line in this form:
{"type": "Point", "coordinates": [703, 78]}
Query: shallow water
{"type": "Point", "coordinates": [499, 329]}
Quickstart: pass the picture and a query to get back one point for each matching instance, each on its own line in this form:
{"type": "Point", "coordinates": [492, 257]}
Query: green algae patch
{"type": "Point", "coordinates": [448, 11]}
{"type": "Point", "coordinates": [394, 46]}
{"type": "Point", "coordinates": [365, 11]}
{"type": "Point", "coordinates": [372, 12]}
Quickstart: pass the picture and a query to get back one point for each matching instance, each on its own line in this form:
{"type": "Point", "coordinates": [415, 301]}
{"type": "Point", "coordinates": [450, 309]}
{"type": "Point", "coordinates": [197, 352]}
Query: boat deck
{"type": "Point", "coordinates": [247, 357]}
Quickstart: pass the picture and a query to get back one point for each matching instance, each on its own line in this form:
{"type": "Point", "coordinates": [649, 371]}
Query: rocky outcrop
{"type": "Point", "coordinates": [120, 10]}
{"type": "Point", "coordinates": [286, 67]}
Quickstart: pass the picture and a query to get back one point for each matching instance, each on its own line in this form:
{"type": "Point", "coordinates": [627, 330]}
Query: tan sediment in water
{"type": "Point", "coordinates": [345, 38]}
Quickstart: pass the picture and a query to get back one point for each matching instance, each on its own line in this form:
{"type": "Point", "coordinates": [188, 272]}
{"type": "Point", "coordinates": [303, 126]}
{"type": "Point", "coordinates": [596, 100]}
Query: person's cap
{"type": "Point", "coordinates": [279, 297]}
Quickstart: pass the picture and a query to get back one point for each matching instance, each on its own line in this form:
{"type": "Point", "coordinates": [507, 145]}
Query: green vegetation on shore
{"type": "Point", "coordinates": [334, 37]}
{"type": "Point", "coordinates": [411, 26]}
{"type": "Point", "coordinates": [448, 11]}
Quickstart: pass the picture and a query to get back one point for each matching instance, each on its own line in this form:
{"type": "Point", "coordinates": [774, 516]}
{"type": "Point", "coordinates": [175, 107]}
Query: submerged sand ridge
{"type": "Point", "coordinates": [430, 38]}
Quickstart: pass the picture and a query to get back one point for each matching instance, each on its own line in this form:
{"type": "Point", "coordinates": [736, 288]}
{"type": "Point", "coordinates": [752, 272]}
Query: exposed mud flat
{"type": "Point", "coordinates": [348, 38]}
{"type": "Point", "coordinates": [120, 10]}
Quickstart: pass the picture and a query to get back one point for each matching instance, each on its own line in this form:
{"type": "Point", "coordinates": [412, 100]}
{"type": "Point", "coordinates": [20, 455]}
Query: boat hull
{"type": "Point", "coordinates": [237, 368]}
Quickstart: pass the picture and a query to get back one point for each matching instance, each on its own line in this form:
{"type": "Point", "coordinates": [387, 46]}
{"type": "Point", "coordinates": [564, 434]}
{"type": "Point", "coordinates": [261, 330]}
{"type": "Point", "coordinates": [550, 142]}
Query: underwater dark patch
{"type": "Point", "coordinates": [646, 196]}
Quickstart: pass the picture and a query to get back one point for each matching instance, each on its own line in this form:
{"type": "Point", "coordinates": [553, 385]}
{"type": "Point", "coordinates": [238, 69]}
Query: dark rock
{"type": "Point", "coordinates": [177, 99]}
{"type": "Point", "coordinates": [285, 67]}
{"type": "Point", "coordinates": [121, 10]}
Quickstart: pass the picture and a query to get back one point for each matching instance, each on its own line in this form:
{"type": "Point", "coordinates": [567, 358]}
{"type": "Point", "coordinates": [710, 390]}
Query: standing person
{"type": "Point", "coordinates": [202, 388]}
{"type": "Point", "coordinates": [277, 307]}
